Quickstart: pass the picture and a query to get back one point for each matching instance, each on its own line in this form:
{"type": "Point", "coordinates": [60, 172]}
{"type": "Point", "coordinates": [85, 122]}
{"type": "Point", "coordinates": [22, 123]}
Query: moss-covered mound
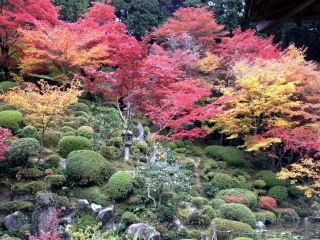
{"type": "Point", "coordinates": [67, 144]}
{"type": "Point", "coordinates": [231, 155]}
{"type": "Point", "coordinates": [11, 119]}
{"type": "Point", "coordinates": [120, 184]}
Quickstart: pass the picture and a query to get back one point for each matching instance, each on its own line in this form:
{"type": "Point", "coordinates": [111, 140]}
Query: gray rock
{"type": "Point", "coordinates": [62, 163]}
{"type": "Point", "coordinates": [44, 214]}
{"type": "Point", "coordinates": [15, 220]}
{"type": "Point", "coordinates": [24, 197]}
{"type": "Point", "coordinates": [96, 208]}
{"type": "Point", "coordinates": [177, 224]}
{"type": "Point", "coordinates": [105, 215]}
{"type": "Point", "coordinates": [145, 231]}
{"type": "Point", "coordinates": [82, 204]}
{"type": "Point", "coordinates": [260, 225]}
{"type": "Point", "coordinates": [141, 132]}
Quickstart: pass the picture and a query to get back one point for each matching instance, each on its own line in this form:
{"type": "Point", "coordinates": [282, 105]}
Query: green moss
{"type": "Point", "coordinates": [108, 152]}
{"type": "Point", "coordinates": [85, 167]}
{"type": "Point", "coordinates": [33, 173]}
{"type": "Point", "coordinates": [92, 194]}
{"type": "Point", "coordinates": [231, 155]}
{"type": "Point", "coordinates": [13, 206]}
{"type": "Point", "coordinates": [85, 131]}
{"type": "Point", "coordinates": [51, 138]}
{"type": "Point", "coordinates": [238, 212]}
{"type": "Point", "coordinates": [81, 114]}
{"type": "Point", "coordinates": [11, 119]}
{"type": "Point", "coordinates": [129, 218]}
{"type": "Point", "coordinates": [55, 180]}
{"type": "Point", "coordinates": [120, 184]}
{"type": "Point", "coordinates": [29, 187]}
{"type": "Point", "coordinates": [239, 229]}
{"type": "Point", "coordinates": [67, 144]}
{"type": "Point", "coordinates": [52, 161]}
{"type": "Point", "coordinates": [199, 202]}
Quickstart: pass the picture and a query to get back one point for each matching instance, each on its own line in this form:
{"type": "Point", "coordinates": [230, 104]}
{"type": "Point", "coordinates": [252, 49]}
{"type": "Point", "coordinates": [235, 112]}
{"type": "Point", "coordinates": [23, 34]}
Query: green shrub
{"type": "Point", "coordinates": [224, 181]}
{"type": "Point", "coordinates": [296, 192]}
{"type": "Point", "coordinates": [143, 146]}
{"type": "Point", "coordinates": [11, 119]}
{"type": "Point", "coordinates": [171, 145]}
{"type": "Point", "coordinates": [72, 133]}
{"type": "Point", "coordinates": [81, 120]}
{"type": "Point", "coordinates": [55, 180]}
{"type": "Point", "coordinates": [33, 173]}
{"type": "Point", "coordinates": [216, 203]}
{"type": "Point", "coordinates": [29, 132]}
{"type": "Point", "coordinates": [209, 189]}
{"type": "Point", "coordinates": [85, 131]}
{"type": "Point", "coordinates": [72, 124]}
{"type": "Point", "coordinates": [5, 107]}
{"type": "Point", "coordinates": [231, 155]}
{"type": "Point", "coordinates": [79, 107]}
{"type": "Point", "coordinates": [260, 216]}
{"type": "Point", "coordinates": [238, 212]}
{"type": "Point", "coordinates": [181, 150]}
{"type": "Point", "coordinates": [108, 152]}
{"type": "Point", "coordinates": [239, 229]}
{"type": "Point", "coordinates": [146, 130]}
{"type": "Point", "coordinates": [67, 144]}
{"type": "Point", "coordinates": [85, 167]}
{"type": "Point", "coordinates": [199, 219]}
{"type": "Point", "coordinates": [28, 187]}
{"type": "Point", "coordinates": [243, 238]}
{"type": "Point", "coordinates": [52, 161]}
{"type": "Point", "coordinates": [179, 144]}
{"type": "Point", "coordinates": [129, 218]}
{"type": "Point", "coordinates": [81, 114]}
{"type": "Point", "coordinates": [5, 86]}
{"type": "Point", "coordinates": [92, 194]}
{"type": "Point", "coordinates": [67, 129]}
{"type": "Point", "coordinates": [199, 202]}
{"type": "Point", "coordinates": [270, 178]}
{"type": "Point", "coordinates": [51, 138]}
{"type": "Point", "coordinates": [115, 141]}
{"type": "Point", "coordinates": [61, 201]}
{"type": "Point", "coordinates": [209, 211]}
{"type": "Point", "coordinates": [120, 184]}
{"type": "Point", "coordinates": [279, 193]}
{"type": "Point", "coordinates": [13, 206]}
{"type": "Point", "coordinates": [259, 183]}
{"type": "Point", "coordinates": [270, 217]}
{"type": "Point", "coordinates": [21, 149]}
{"type": "Point", "coordinates": [190, 166]}
{"type": "Point", "coordinates": [238, 195]}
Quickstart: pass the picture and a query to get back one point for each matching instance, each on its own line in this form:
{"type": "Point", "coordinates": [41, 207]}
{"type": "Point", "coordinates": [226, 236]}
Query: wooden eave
{"type": "Point", "coordinates": [271, 12]}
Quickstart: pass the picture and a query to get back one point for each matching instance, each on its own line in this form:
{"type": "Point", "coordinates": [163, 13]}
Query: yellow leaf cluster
{"type": "Point", "coordinates": [209, 63]}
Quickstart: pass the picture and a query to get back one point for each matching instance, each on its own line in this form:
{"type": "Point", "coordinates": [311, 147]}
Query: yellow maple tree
{"type": "Point", "coordinates": [44, 104]}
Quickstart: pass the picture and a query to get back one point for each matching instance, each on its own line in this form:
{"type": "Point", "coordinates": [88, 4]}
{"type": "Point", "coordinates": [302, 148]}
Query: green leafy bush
{"type": "Point", "coordinates": [7, 85]}
{"type": "Point", "coordinates": [209, 211]}
{"type": "Point", "coordinates": [115, 141]}
{"type": "Point", "coordinates": [141, 145]}
{"type": "Point", "coordinates": [81, 114]}
{"type": "Point", "coordinates": [5, 107]}
{"type": "Point", "coordinates": [11, 119]}
{"type": "Point", "coordinates": [270, 178]}
{"type": "Point", "coordinates": [224, 181]}
{"type": "Point", "coordinates": [120, 184]}
{"type": "Point", "coordinates": [129, 218]}
{"type": "Point", "coordinates": [72, 133]}
{"type": "Point", "coordinates": [67, 144]}
{"type": "Point", "coordinates": [13, 206]}
{"type": "Point", "coordinates": [51, 138]}
{"type": "Point", "coordinates": [216, 203]}
{"type": "Point", "coordinates": [67, 129]}
{"type": "Point", "coordinates": [259, 183]}
{"type": "Point", "coordinates": [55, 180]}
{"type": "Point", "coordinates": [238, 212]}
{"type": "Point", "coordinates": [209, 189]}
{"type": "Point", "coordinates": [85, 167]}
{"type": "Point", "coordinates": [28, 187]}
{"type": "Point", "coordinates": [260, 216]}
{"type": "Point", "coordinates": [231, 155]}
{"type": "Point", "coordinates": [171, 145]}
{"type": "Point", "coordinates": [296, 192]}
{"type": "Point", "coordinates": [85, 131]}
{"type": "Point", "coordinates": [52, 161]}
{"type": "Point", "coordinates": [199, 202]}
{"type": "Point", "coordinates": [79, 107]}
{"type": "Point", "coordinates": [239, 229]}
{"type": "Point", "coordinates": [21, 149]}
{"type": "Point", "coordinates": [29, 132]}
{"type": "Point", "coordinates": [33, 173]}
{"type": "Point", "coordinates": [179, 144]}
{"type": "Point", "coordinates": [72, 124]}
{"type": "Point", "coordinates": [199, 219]}
{"type": "Point", "coordinates": [108, 152]}
{"type": "Point", "coordinates": [238, 195]}
{"type": "Point", "coordinates": [92, 194]}
{"type": "Point", "coordinates": [243, 238]}
{"type": "Point", "coordinates": [278, 192]}
{"type": "Point", "coordinates": [270, 217]}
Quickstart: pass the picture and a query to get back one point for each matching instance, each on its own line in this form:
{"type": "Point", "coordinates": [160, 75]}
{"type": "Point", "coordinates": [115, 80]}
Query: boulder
{"type": "Point", "coordinates": [44, 215]}
{"type": "Point", "coordinates": [15, 220]}
{"type": "Point", "coordinates": [260, 226]}
{"type": "Point", "coordinates": [105, 215]}
{"type": "Point", "coordinates": [177, 224]}
{"type": "Point", "coordinates": [143, 230]}
{"type": "Point", "coordinates": [95, 208]}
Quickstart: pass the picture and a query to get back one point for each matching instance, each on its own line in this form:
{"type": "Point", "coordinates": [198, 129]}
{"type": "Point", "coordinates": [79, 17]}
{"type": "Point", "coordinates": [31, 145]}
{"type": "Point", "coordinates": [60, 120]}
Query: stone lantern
{"type": "Point", "coordinates": [127, 138]}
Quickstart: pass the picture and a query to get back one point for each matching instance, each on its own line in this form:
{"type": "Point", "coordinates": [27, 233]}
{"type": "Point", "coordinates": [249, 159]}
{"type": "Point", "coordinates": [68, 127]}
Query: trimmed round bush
{"type": "Point", "coordinates": [21, 149]}
{"type": "Point", "coordinates": [79, 107]}
{"type": "Point", "coordinates": [238, 212]}
{"type": "Point", "coordinates": [199, 219]}
{"type": "Point", "coordinates": [67, 144]}
{"type": "Point", "coordinates": [85, 167]}
{"type": "Point", "coordinates": [72, 133]}
{"type": "Point", "coordinates": [259, 183]}
{"type": "Point", "coordinates": [129, 218]}
{"type": "Point", "coordinates": [81, 120]}
{"type": "Point", "coordinates": [179, 144]}
{"type": "Point", "coordinates": [224, 181]}
{"type": "Point", "coordinates": [296, 192]}
{"type": "Point", "coordinates": [171, 145]}
{"type": "Point", "coordinates": [11, 119]}
{"type": "Point", "coordinates": [238, 195]}
{"type": "Point", "coordinates": [278, 192]}
{"type": "Point", "coordinates": [270, 217]}
{"type": "Point", "coordinates": [5, 107]}
{"type": "Point", "coordinates": [33, 173]}
{"type": "Point", "coordinates": [146, 130]}
{"type": "Point", "coordinates": [260, 216]}
{"type": "Point", "coordinates": [143, 146]}
{"type": "Point", "coordinates": [270, 178]}
{"type": "Point", "coordinates": [51, 138]}
{"type": "Point", "coordinates": [266, 202]}
{"type": "Point", "coordinates": [5, 86]}
{"type": "Point", "coordinates": [67, 129]}
{"type": "Point", "coordinates": [55, 180]}
{"type": "Point", "coordinates": [81, 114]}
{"type": "Point", "coordinates": [108, 152]}
{"type": "Point", "coordinates": [73, 124]}
{"type": "Point", "coordinates": [216, 203]}
{"type": "Point", "coordinates": [92, 194]}
{"type": "Point", "coordinates": [85, 131]}
{"type": "Point", "coordinates": [239, 229]}
{"type": "Point", "coordinates": [209, 211]}
{"type": "Point", "coordinates": [120, 184]}
{"type": "Point", "coordinates": [199, 202]}
{"type": "Point", "coordinates": [52, 161]}
{"type": "Point", "coordinates": [115, 141]}
{"type": "Point", "coordinates": [231, 155]}
{"type": "Point", "coordinates": [29, 132]}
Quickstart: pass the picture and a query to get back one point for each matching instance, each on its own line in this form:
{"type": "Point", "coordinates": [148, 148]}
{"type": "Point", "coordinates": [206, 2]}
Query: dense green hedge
{"type": "Point", "coordinates": [85, 167]}
{"type": "Point", "coordinates": [120, 184]}
{"type": "Point", "coordinates": [67, 144]}
{"type": "Point", "coordinates": [11, 119]}
{"type": "Point", "coordinates": [231, 155]}
{"type": "Point", "coordinates": [238, 229]}
{"type": "Point", "coordinates": [270, 178]}
{"type": "Point", "coordinates": [7, 85]}
{"type": "Point", "coordinates": [238, 212]}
